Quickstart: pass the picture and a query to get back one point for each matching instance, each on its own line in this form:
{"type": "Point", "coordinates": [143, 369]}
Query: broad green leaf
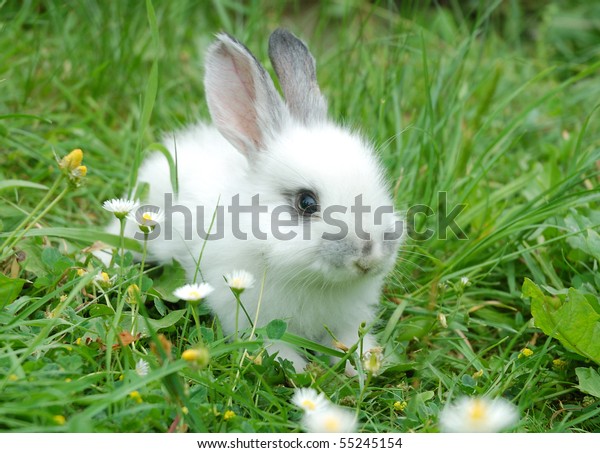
{"type": "Point", "coordinates": [276, 329]}
{"type": "Point", "coordinates": [172, 277]}
{"type": "Point", "coordinates": [162, 323]}
{"type": "Point", "coordinates": [572, 320]}
{"type": "Point", "coordinates": [589, 381]}
{"type": "Point", "coordinates": [100, 310]}
{"type": "Point", "coordinates": [10, 288]}
{"type": "Point", "coordinates": [54, 261]}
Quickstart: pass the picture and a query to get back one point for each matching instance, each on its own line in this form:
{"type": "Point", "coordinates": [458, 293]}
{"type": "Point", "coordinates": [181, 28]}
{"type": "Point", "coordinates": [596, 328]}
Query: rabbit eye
{"type": "Point", "coordinates": [306, 203]}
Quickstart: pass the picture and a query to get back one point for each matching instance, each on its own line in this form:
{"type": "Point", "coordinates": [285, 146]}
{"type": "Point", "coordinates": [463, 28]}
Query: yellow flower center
{"type": "Point", "coordinates": [478, 411]}
{"type": "Point", "coordinates": [105, 277]}
{"type": "Point", "coordinates": [194, 295]}
{"type": "Point", "coordinates": [332, 425]}
{"type": "Point", "coordinates": [147, 216]}
{"type": "Point", "coordinates": [308, 404]}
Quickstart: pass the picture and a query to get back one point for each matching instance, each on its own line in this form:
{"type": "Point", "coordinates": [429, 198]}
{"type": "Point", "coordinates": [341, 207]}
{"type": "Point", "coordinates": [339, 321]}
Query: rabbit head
{"type": "Point", "coordinates": [337, 222]}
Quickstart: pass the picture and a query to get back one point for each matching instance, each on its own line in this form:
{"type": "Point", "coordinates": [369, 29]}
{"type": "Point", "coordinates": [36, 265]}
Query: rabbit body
{"type": "Point", "coordinates": [286, 156]}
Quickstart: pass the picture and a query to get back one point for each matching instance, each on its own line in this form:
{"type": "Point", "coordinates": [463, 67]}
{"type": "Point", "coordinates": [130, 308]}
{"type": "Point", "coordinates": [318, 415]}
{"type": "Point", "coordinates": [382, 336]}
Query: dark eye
{"type": "Point", "coordinates": [306, 203]}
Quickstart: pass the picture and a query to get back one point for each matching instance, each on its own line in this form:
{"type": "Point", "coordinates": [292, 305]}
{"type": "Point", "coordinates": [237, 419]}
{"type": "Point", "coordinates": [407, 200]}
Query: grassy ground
{"type": "Point", "coordinates": [490, 102]}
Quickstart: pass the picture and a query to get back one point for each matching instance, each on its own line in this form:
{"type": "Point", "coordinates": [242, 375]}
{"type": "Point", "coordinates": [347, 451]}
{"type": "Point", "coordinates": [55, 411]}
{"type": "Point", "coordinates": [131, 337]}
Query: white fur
{"type": "Point", "coordinates": [308, 283]}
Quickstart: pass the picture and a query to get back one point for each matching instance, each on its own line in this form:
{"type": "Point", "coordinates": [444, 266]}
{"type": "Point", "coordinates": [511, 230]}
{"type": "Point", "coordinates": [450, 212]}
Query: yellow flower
{"type": "Point", "coordinates": [228, 415]}
{"type": "Point", "coordinates": [59, 419]}
{"type": "Point", "coordinates": [72, 160]}
{"type": "Point", "coordinates": [400, 405]}
{"type": "Point", "coordinates": [525, 352]}
{"type": "Point", "coordinates": [133, 294]}
{"type": "Point", "coordinates": [78, 341]}
{"type": "Point", "coordinates": [559, 364]}
{"type": "Point", "coordinates": [477, 374]}
{"type": "Point", "coordinates": [80, 171]}
{"type": "Point", "coordinates": [135, 395]}
{"type": "Point", "coordinates": [197, 356]}
{"type": "Point", "coordinates": [185, 410]}
{"type": "Point", "coordinates": [71, 165]}
{"type": "Point", "coordinates": [81, 272]}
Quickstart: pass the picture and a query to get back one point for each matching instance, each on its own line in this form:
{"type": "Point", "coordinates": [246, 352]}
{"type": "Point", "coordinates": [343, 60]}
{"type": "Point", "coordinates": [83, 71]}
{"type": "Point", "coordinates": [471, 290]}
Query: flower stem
{"type": "Point", "coordinates": [17, 234]}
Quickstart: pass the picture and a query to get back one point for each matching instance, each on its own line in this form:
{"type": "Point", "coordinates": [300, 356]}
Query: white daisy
{"type": "Point", "coordinates": [240, 280]}
{"type": "Point", "coordinates": [332, 419]}
{"type": "Point", "coordinates": [309, 400]}
{"type": "Point", "coordinates": [193, 292]}
{"type": "Point", "coordinates": [478, 415]}
{"type": "Point", "coordinates": [147, 218]}
{"type": "Point", "coordinates": [464, 282]}
{"type": "Point", "coordinates": [142, 368]}
{"type": "Point", "coordinates": [120, 207]}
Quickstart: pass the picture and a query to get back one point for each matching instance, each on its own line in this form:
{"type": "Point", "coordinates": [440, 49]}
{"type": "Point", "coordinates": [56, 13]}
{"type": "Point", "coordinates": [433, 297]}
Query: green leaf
{"type": "Point", "coordinates": [83, 234]}
{"type": "Point", "coordinates": [589, 381]}
{"type": "Point", "coordinates": [14, 183]}
{"type": "Point", "coordinates": [54, 261]}
{"type": "Point", "coordinates": [468, 381]}
{"type": "Point", "coordinates": [305, 343]}
{"type": "Point", "coordinates": [162, 323]}
{"type": "Point", "coordinates": [10, 288]}
{"type": "Point", "coordinates": [146, 283]}
{"type": "Point", "coordinates": [172, 277]}
{"type": "Point", "coordinates": [276, 329]}
{"type": "Point", "coordinates": [572, 320]}
{"type": "Point", "coordinates": [416, 326]}
{"type": "Point", "coordinates": [100, 310]}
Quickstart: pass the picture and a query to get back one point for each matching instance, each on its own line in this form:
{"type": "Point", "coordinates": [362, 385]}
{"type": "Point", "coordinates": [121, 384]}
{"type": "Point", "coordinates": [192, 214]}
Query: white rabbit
{"type": "Point", "coordinates": [299, 164]}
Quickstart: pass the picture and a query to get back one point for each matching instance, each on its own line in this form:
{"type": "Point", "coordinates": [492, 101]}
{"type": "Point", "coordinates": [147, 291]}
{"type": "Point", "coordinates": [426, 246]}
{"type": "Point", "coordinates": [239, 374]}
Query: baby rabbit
{"type": "Point", "coordinates": [292, 198]}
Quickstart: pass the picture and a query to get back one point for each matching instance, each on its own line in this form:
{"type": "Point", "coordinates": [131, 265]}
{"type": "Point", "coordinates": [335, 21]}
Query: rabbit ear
{"type": "Point", "coordinates": [241, 97]}
{"type": "Point", "coordinates": [295, 68]}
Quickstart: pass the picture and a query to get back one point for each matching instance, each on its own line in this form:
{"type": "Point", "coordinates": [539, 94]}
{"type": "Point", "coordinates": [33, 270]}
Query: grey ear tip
{"type": "Point", "coordinates": [283, 37]}
{"type": "Point", "coordinates": [281, 32]}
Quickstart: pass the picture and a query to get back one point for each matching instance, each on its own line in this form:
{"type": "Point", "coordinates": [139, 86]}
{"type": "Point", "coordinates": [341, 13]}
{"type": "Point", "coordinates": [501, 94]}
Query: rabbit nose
{"type": "Point", "coordinates": [363, 265]}
{"type": "Point", "coordinates": [367, 260]}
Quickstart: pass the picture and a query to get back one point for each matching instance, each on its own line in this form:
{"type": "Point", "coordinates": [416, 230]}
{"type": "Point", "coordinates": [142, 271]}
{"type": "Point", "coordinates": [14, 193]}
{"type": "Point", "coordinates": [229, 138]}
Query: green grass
{"type": "Point", "coordinates": [493, 103]}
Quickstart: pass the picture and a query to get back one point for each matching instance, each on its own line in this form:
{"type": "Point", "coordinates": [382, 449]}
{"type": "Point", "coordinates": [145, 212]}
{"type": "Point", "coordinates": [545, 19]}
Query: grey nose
{"type": "Point", "coordinates": [363, 265]}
